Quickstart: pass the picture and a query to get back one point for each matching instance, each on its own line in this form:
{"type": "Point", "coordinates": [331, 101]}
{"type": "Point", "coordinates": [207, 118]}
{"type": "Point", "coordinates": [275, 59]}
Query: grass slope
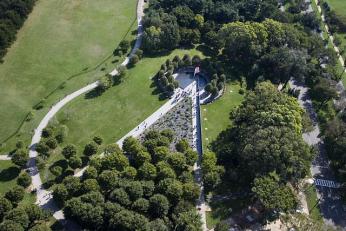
{"type": "Point", "coordinates": [59, 39]}
{"type": "Point", "coordinates": [215, 116]}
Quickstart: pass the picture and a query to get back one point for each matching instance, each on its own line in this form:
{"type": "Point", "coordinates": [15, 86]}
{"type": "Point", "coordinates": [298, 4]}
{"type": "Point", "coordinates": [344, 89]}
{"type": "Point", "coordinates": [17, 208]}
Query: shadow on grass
{"type": "Point", "coordinates": [93, 94]}
{"type": "Point", "coordinates": [207, 51]}
{"type": "Point", "coordinates": [9, 174]}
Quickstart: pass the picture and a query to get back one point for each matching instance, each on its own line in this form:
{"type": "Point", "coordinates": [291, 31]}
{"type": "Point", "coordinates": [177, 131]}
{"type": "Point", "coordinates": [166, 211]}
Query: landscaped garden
{"type": "Point", "coordinates": [60, 40]}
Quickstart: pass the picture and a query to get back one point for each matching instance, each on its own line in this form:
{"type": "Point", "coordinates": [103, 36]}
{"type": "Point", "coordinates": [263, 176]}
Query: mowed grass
{"type": "Point", "coordinates": [215, 116]}
{"type": "Point", "coordinates": [116, 112]}
{"type": "Point", "coordinates": [60, 38]}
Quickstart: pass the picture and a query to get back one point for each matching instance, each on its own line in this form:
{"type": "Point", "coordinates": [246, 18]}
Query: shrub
{"type": "Point", "coordinates": [133, 60]}
{"type": "Point", "coordinates": [19, 144]}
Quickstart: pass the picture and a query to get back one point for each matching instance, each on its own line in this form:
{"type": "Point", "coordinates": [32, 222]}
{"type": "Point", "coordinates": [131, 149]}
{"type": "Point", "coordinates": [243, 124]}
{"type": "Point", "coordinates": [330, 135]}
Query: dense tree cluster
{"type": "Point", "coordinates": [12, 16]}
{"type": "Point", "coordinates": [145, 186]}
{"type": "Point", "coordinates": [335, 140]}
{"type": "Point", "coordinates": [265, 138]}
{"type": "Point", "coordinates": [14, 217]}
{"type": "Point", "coordinates": [169, 24]}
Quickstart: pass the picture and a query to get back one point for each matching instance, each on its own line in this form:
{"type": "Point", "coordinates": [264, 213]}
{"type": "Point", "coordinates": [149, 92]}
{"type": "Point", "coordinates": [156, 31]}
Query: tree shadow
{"type": "Point", "coordinates": [9, 174]}
{"type": "Point", "coordinates": [93, 93]}
{"type": "Point", "coordinates": [207, 51]}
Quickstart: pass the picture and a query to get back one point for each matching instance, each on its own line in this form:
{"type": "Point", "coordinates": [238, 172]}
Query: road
{"type": "Point", "coordinates": [330, 203]}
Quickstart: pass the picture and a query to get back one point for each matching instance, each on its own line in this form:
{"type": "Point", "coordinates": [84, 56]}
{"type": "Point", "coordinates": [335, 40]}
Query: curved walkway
{"type": "Point", "coordinates": [44, 197]}
{"type": "Point", "coordinates": [5, 157]}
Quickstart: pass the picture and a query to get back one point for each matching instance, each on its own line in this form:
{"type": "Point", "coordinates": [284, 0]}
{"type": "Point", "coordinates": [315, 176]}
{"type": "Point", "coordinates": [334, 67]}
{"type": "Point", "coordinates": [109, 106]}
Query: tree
{"type": "Point", "coordinates": [177, 161]}
{"type": "Point", "coordinates": [75, 162]}
{"type": "Point", "coordinates": [90, 185]}
{"type": "Point", "coordinates": [164, 171]}
{"type": "Point", "coordinates": [35, 213]}
{"type": "Point", "coordinates": [104, 83]}
{"type": "Point", "coordinates": [56, 170]}
{"type": "Point", "coordinates": [222, 226]}
{"type": "Point", "coordinates": [133, 60]}
{"type": "Point", "coordinates": [18, 215]}
{"type": "Point", "coordinates": [98, 140]}
{"type": "Point", "coordinates": [20, 158]}
{"type": "Point", "coordinates": [158, 225]}
{"type": "Point", "coordinates": [120, 196]}
{"type": "Point", "coordinates": [52, 143]}
{"type": "Point", "coordinates": [90, 149]}
{"type": "Point", "coordinates": [24, 180]}
{"type": "Point", "coordinates": [60, 194]}
{"type": "Point", "coordinates": [134, 189]}
{"type": "Point", "coordinates": [141, 205]}
{"type": "Point", "coordinates": [191, 157]}
{"type": "Point", "coordinates": [15, 195]}
{"type": "Point", "coordinates": [191, 191]}
{"type": "Point", "coordinates": [5, 207]}
{"type": "Point", "coordinates": [172, 188]}
{"type": "Point", "coordinates": [69, 151]}
{"type": "Point", "coordinates": [147, 171]}
{"type": "Point", "coordinates": [108, 179]}
{"type": "Point", "coordinates": [42, 148]}
{"type": "Point", "coordinates": [124, 46]}
{"type": "Point", "coordinates": [323, 91]}
{"type": "Point", "coordinates": [189, 220]}
{"type": "Point", "coordinates": [182, 146]}
{"type": "Point", "coordinates": [159, 205]}
{"type": "Point", "coordinates": [90, 173]}
{"type": "Point", "coordinates": [9, 225]}
{"type": "Point", "coordinates": [273, 195]}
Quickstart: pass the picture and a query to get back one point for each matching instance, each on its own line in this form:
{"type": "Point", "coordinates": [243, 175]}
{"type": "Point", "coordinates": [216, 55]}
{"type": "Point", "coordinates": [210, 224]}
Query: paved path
{"type": "Point", "coordinates": [330, 204]}
{"type": "Point", "coordinates": [5, 157]}
{"type": "Point", "coordinates": [44, 197]}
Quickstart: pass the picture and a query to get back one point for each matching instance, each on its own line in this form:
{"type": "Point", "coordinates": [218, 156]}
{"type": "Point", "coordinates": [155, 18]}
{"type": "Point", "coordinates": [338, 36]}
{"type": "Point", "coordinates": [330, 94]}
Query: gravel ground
{"type": "Point", "coordinates": [179, 120]}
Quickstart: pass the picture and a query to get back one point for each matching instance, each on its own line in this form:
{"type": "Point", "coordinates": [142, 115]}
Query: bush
{"type": "Point", "coordinates": [30, 116]}
{"type": "Point", "coordinates": [24, 180]}
{"type": "Point", "coordinates": [56, 170]}
{"type": "Point", "coordinates": [75, 162]}
{"type": "Point", "coordinates": [42, 148]}
{"type": "Point", "coordinates": [241, 91]}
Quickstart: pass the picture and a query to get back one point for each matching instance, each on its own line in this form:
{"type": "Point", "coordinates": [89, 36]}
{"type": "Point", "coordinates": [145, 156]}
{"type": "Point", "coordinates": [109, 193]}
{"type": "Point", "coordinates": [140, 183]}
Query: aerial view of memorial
{"type": "Point", "coordinates": [172, 115]}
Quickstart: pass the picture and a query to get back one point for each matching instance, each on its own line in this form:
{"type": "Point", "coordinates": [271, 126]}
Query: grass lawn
{"type": "Point", "coordinates": [312, 201]}
{"type": "Point", "coordinates": [113, 114]}
{"type": "Point", "coordinates": [61, 38]}
{"type": "Point", "coordinates": [215, 116]}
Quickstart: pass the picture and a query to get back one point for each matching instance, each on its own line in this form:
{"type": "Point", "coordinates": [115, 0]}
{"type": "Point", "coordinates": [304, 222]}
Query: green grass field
{"type": "Point", "coordinates": [113, 114]}
{"type": "Point", "coordinates": [60, 39]}
{"type": "Point", "coordinates": [215, 116]}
